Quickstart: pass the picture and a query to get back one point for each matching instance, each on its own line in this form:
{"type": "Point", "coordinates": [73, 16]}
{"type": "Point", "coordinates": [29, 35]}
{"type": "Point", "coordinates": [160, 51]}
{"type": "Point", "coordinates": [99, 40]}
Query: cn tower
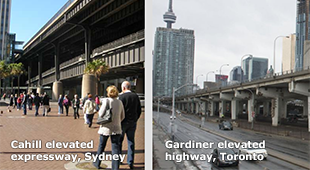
{"type": "Point", "coordinates": [169, 16]}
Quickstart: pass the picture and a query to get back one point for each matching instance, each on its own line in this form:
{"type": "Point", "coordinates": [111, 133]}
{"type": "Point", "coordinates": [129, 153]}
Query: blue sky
{"type": "Point", "coordinates": [28, 16]}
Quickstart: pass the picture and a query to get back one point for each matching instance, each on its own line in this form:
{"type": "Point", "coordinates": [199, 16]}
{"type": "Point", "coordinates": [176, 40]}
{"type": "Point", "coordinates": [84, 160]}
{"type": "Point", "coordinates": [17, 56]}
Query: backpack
{"type": "Point", "coordinates": [91, 106]}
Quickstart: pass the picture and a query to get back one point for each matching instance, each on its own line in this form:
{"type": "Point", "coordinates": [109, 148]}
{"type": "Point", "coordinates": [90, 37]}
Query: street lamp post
{"type": "Point", "coordinates": [197, 78]}
{"type": "Point", "coordinates": [221, 68]}
{"type": "Point", "coordinates": [274, 50]}
{"type": "Point", "coordinates": [173, 109]}
{"type": "Point", "coordinates": [208, 74]}
{"type": "Point", "coordinates": [241, 65]}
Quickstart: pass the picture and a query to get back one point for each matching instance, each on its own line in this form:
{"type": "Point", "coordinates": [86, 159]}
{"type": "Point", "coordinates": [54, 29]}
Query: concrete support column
{"type": "Point", "coordinates": [277, 111]}
{"type": "Point", "coordinates": [140, 85]}
{"type": "Point", "coordinates": [305, 108]}
{"type": "Point", "coordinates": [87, 43]}
{"type": "Point", "coordinates": [266, 108]}
{"type": "Point", "coordinates": [40, 69]}
{"type": "Point", "coordinates": [29, 74]}
{"type": "Point", "coordinates": [222, 107]}
{"type": "Point", "coordinates": [308, 113]}
{"type": "Point", "coordinates": [250, 109]}
{"type": "Point", "coordinates": [211, 108]}
{"type": "Point", "coordinates": [234, 109]}
{"type": "Point", "coordinates": [57, 90]}
{"type": "Point", "coordinates": [197, 108]}
{"type": "Point", "coordinates": [88, 84]}
{"type": "Point", "coordinates": [284, 108]}
{"type": "Point", "coordinates": [192, 108]}
{"type": "Point", "coordinates": [56, 58]}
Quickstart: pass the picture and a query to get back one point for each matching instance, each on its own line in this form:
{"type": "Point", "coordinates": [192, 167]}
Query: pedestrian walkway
{"type": "Point", "coordinates": [61, 128]}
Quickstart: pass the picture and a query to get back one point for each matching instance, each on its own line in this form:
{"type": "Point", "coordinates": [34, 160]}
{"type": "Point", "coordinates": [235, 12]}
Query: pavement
{"type": "Point", "coordinates": [61, 128]}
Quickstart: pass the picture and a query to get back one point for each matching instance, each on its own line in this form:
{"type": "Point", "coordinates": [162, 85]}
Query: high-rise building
{"type": "Point", "coordinates": [5, 15]}
{"type": "Point", "coordinates": [236, 75]}
{"type": "Point", "coordinates": [288, 53]}
{"type": "Point", "coordinates": [173, 64]}
{"type": "Point", "coordinates": [254, 68]}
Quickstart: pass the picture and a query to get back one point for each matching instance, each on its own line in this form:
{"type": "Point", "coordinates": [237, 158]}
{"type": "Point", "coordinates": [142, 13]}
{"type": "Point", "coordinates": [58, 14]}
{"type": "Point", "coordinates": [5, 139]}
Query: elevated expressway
{"type": "Point", "coordinates": [83, 30]}
{"type": "Point", "coordinates": [268, 95]}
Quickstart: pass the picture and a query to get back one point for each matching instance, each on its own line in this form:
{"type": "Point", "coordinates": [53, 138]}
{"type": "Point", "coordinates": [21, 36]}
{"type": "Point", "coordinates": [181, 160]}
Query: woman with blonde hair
{"type": "Point", "coordinates": [112, 129]}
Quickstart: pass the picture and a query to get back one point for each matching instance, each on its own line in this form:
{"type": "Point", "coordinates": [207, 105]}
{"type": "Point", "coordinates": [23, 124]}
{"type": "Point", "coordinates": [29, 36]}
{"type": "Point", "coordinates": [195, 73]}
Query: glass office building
{"type": "Point", "coordinates": [254, 68]}
{"type": "Point", "coordinates": [5, 15]}
{"type": "Point", "coordinates": [236, 74]}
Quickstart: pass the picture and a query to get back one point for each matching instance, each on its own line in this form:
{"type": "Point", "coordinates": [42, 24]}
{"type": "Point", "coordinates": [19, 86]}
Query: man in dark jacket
{"type": "Point", "coordinates": [37, 101]}
{"type": "Point", "coordinates": [132, 108]}
{"type": "Point", "coordinates": [24, 102]}
{"type": "Point", "coordinates": [46, 104]}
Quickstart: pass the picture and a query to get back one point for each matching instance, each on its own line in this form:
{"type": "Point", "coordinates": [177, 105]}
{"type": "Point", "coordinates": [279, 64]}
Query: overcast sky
{"type": "Point", "coordinates": [226, 30]}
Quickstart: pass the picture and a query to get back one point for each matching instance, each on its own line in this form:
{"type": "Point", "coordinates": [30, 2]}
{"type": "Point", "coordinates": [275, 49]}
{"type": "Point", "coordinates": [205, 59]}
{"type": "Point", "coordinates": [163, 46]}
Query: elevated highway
{"type": "Point", "coordinates": [266, 98]}
{"type": "Point", "coordinates": [81, 31]}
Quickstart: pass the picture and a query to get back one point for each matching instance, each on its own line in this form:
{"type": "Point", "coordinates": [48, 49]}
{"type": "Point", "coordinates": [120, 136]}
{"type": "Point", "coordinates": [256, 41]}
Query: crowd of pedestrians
{"type": "Point", "coordinates": [125, 106]}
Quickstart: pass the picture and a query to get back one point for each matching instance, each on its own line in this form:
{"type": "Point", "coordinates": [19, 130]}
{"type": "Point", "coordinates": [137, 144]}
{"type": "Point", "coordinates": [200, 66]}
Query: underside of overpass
{"type": "Point", "coordinates": [84, 30]}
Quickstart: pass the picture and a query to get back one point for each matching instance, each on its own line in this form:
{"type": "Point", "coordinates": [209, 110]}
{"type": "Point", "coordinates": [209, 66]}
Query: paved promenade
{"type": "Point", "coordinates": [14, 126]}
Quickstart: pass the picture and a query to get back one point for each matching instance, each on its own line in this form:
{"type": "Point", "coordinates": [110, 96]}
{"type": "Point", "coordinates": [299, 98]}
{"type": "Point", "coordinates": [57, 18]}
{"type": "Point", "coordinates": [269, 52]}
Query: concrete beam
{"type": "Point", "coordinates": [226, 96]}
{"type": "Point", "coordinates": [214, 97]}
{"type": "Point", "coordinates": [242, 95]}
{"type": "Point", "coordinates": [299, 88]}
{"type": "Point", "coordinates": [269, 92]}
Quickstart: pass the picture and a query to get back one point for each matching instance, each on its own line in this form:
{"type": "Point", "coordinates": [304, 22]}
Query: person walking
{"type": "Point", "coordinates": [89, 109]}
{"type": "Point", "coordinates": [60, 105]}
{"type": "Point", "coordinates": [15, 101]}
{"type": "Point", "coordinates": [19, 102]}
{"type": "Point", "coordinates": [24, 102]}
{"type": "Point", "coordinates": [30, 101]}
{"type": "Point", "coordinates": [37, 101]}
{"type": "Point", "coordinates": [83, 103]}
{"type": "Point", "coordinates": [46, 104]}
{"type": "Point", "coordinates": [11, 102]}
{"type": "Point", "coordinates": [76, 106]}
{"type": "Point", "coordinates": [97, 100]}
{"type": "Point", "coordinates": [66, 103]}
{"type": "Point", "coordinates": [112, 129]}
{"type": "Point", "coordinates": [132, 108]}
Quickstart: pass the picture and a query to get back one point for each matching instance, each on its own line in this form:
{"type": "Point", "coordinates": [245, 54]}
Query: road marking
{"type": "Point", "coordinates": [13, 117]}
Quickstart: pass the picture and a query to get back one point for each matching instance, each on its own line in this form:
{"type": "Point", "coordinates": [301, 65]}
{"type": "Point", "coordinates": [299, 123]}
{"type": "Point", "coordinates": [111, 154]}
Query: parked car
{"type": "Point", "coordinates": [225, 125]}
{"type": "Point", "coordinates": [251, 151]}
{"type": "Point", "coordinates": [218, 161]}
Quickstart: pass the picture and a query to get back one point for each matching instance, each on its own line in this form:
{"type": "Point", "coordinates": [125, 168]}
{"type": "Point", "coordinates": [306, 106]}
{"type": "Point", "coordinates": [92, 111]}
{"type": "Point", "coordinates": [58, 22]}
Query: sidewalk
{"type": "Point", "coordinates": [61, 128]}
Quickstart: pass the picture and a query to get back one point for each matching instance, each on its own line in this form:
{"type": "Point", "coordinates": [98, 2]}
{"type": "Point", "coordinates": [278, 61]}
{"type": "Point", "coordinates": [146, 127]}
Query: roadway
{"type": "Point", "coordinates": [187, 130]}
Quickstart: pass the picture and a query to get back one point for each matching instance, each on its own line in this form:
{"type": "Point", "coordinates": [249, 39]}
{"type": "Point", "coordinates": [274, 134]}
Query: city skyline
{"type": "Point", "coordinates": [239, 28]}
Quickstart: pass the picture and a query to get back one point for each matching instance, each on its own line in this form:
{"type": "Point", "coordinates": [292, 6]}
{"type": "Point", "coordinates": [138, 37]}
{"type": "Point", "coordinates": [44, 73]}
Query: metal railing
{"type": "Point", "coordinates": [266, 77]}
{"type": "Point", "coordinates": [296, 132]}
{"type": "Point", "coordinates": [48, 72]}
{"type": "Point", "coordinates": [119, 42]}
{"type": "Point", "coordinates": [72, 61]}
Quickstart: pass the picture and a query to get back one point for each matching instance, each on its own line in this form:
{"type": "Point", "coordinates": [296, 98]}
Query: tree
{"type": "Point", "coordinates": [96, 67]}
{"type": "Point", "coordinates": [3, 71]}
{"type": "Point", "coordinates": [16, 69]}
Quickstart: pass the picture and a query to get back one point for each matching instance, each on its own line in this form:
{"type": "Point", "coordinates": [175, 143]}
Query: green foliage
{"type": "Point", "coordinates": [96, 67]}
{"type": "Point", "coordinates": [16, 69]}
{"type": "Point", "coordinates": [4, 72]}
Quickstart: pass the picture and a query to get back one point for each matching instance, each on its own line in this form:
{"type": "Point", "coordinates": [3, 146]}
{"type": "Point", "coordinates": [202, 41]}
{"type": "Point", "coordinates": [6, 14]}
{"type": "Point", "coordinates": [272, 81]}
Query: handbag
{"type": "Point", "coordinates": [107, 115]}
{"type": "Point", "coordinates": [49, 110]}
